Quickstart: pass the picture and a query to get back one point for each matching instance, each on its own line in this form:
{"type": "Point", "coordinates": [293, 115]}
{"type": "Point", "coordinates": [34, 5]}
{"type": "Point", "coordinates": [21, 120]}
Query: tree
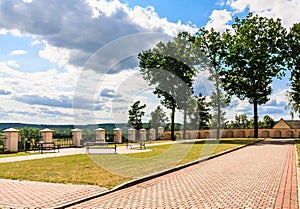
{"type": "Point", "coordinates": [267, 122]}
{"type": "Point", "coordinates": [171, 67]}
{"type": "Point", "coordinates": [294, 52]}
{"type": "Point", "coordinates": [135, 115]}
{"type": "Point", "coordinates": [198, 113]}
{"type": "Point", "coordinates": [255, 55]}
{"type": "Point", "coordinates": [212, 44]}
{"type": "Point", "coordinates": [218, 102]}
{"type": "Point", "coordinates": [241, 121]}
{"type": "Point", "coordinates": [158, 118]}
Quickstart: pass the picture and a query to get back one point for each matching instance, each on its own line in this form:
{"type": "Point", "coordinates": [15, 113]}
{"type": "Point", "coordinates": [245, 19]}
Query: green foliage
{"type": "Point", "coordinates": [267, 122]}
{"type": "Point", "coordinates": [198, 113]}
{"type": "Point", "coordinates": [219, 101]}
{"type": "Point", "coordinates": [135, 115]}
{"type": "Point", "coordinates": [243, 122]}
{"type": "Point", "coordinates": [171, 67]}
{"type": "Point", "coordinates": [158, 118]}
{"type": "Point", "coordinates": [294, 46]}
{"type": "Point", "coordinates": [255, 54]}
{"type": "Point", "coordinates": [212, 44]}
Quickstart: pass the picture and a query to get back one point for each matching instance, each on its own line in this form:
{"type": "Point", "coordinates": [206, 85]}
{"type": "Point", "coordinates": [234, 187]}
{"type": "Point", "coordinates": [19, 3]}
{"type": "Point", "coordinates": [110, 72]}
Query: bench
{"type": "Point", "coordinates": [136, 144]}
{"type": "Point", "coordinates": [101, 147]}
{"type": "Point", "coordinates": [42, 146]}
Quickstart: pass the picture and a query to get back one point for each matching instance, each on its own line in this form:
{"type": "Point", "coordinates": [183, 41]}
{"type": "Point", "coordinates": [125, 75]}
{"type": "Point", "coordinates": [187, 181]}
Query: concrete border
{"type": "Point", "coordinates": [152, 176]}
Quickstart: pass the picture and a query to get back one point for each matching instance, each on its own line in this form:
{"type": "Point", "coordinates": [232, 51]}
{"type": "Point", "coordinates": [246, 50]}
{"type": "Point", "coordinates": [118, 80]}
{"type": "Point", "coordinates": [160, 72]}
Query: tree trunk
{"type": "Point", "coordinates": [184, 121]}
{"type": "Point", "coordinates": [255, 119]}
{"type": "Point", "coordinates": [173, 123]}
{"type": "Point", "coordinates": [219, 109]}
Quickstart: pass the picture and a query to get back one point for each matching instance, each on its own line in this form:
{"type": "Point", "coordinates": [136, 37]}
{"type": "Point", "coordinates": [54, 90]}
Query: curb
{"type": "Point", "coordinates": [152, 176]}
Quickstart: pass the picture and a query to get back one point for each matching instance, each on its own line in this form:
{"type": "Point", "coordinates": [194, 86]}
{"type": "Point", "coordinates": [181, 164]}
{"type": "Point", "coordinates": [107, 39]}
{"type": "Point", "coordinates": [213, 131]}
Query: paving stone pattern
{"type": "Point", "coordinates": [258, 176]}
{"type": "Point", "coordinates": [28, 194]}
{"type": "Point", "coordinates": [247, 178]}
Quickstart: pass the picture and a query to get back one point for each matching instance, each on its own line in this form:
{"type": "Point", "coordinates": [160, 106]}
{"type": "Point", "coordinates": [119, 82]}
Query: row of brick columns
{"type": "Point", "coordinates": [12, 136]}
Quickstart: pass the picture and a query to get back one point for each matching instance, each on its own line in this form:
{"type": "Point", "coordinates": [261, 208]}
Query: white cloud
{"type": "Point", "coordinates": [13, 63]}
{"type": "Point", "coordinates": [18, 52]}
{"type": "Point", "coordinates": [287, 10]}
{"type": "Point", "coordinates": [57, 55]}
{"type": "Point", "coordinates": [219, 20]}
{"type": "Point", "coordinates": [76, 29]}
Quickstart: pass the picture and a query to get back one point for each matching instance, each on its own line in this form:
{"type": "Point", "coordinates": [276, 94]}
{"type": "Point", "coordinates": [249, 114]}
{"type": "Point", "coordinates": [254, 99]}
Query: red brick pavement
{"type": "Point", "coordinates": [252, 177]}
{"type": "Point", "coordinates": [27, 194]}
{"type": "Point", "coordinates": [287, 194]}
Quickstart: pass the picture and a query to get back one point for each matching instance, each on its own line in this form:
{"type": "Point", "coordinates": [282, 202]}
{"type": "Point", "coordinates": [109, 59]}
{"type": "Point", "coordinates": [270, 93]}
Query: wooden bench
{"type": "Point", "coordinates": [43, 146]}
{"type": "Point", "coordinates": [101, 147]}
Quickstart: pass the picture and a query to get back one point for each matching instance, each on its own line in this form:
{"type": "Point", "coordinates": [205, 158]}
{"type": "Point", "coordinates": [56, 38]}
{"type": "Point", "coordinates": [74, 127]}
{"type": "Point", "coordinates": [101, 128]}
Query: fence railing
{"type": "Point", "coordinates": [64, 142]}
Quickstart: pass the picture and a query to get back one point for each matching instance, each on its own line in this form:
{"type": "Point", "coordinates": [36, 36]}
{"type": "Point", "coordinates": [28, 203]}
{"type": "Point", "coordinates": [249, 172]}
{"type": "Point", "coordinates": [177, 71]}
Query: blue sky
{"type": "Point", "coordinates": [69, 62]}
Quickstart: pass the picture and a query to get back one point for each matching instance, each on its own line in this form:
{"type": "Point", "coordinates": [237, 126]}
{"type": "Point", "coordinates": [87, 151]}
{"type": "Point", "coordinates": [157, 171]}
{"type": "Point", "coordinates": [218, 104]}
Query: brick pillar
{"type": "Point", "coordinates": [152, 134]}
{"type": "Point", "coordinates": [11, 139]}
{"type": "Point", "coordinates": [100, 135]}
{"type": "Point", "coordinates": [118, 135]}
{"type": "Point", "coordinates": [47, 135]}
{"type": "Point", "coordinates": [131, 134]}
{"type": "Point", "coordinates": [76, 137]}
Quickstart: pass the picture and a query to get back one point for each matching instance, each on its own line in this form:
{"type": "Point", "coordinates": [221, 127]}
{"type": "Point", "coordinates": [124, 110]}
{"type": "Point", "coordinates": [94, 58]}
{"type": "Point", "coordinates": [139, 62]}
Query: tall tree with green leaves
{"type": "Point", "coordinates": [135, 115]}
{"type": "Point", "coordinates": [255, 55]}
{"type": "Point", "coordinates": [241, 122]}
{"type": "Point", "coordinates": [158, 118]}
{"type": "Point", "coordinates": [267, 122]}
{"type": "Point", "coordinates": [170, 67]}
{"type": "Point", "coordinates": [218, 102]}
{"type": "Point", "coordinates": [198, 113]}
{"type": "Point", "coordinates": [212, 44]}
{"type": "Point", "coordinates": [294, 52]}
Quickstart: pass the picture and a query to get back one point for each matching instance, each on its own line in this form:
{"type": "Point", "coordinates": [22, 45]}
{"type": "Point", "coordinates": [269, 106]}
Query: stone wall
{"type": "Point", "coordinates": [236, 133]}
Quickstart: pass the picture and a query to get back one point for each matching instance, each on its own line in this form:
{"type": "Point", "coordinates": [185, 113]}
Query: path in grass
{"type": "Point", "coordinates": [111, 170]}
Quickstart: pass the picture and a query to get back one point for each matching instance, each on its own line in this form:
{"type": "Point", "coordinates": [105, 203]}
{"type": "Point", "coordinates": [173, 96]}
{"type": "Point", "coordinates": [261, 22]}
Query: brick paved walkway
{"type": "Point", "coordinates": [258, 176]}
{"type": "Point", "coordinates": [28, 194]}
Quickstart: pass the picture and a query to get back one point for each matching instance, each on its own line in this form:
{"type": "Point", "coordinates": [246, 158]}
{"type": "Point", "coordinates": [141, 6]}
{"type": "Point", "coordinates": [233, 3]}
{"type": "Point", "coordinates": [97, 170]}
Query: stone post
{"type": "Point", "coordinates": [152, 134]}
{"type": "Point", "coordinates": [47, 135]}
{"type": "Point", "coordinates": [118, 135]}
{"type": "Point", "coordinates": [76, 137]}
{"type": "Point", "coordinates": [160, 131]}
{"type": "Point", "coordinates": [11, 139]}
{"type": "Point", "coordinates": [100, 135]}
{"type": "Point", "coordinates": [131, 135]}
{"type": "Point", "coordinates": [143, 134]}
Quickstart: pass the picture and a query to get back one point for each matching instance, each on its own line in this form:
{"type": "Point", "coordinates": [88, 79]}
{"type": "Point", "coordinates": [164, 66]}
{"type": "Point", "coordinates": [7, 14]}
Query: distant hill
{"type": "Point", "coordinates": [107, 126]}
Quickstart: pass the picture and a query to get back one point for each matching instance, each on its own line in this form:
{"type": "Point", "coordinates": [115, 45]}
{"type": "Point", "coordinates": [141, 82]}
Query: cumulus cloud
{"type": "Point", "coordinates": [76, 29]}
{"type": "Point", "coordinates": [286, 10]}
{"type": "Point", "coordinates": [17, 52]}
{"type": "Point", "coordinates": [219, 20]}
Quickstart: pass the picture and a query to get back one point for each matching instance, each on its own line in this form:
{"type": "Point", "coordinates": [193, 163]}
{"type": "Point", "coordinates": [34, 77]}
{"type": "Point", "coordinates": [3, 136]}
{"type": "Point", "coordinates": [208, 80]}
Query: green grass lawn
{"type": "Point", "coordinates": [111, 170]}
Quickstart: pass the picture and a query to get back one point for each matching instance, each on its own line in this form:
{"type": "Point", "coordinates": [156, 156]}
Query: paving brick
{"type": "Point", "coordinates": [248, 178]}
{"type": "Point", "coordinates": [259, 176]}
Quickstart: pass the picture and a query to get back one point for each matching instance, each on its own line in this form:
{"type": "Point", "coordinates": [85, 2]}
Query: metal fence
{"type": "Point", "coordinates": [64, 142]}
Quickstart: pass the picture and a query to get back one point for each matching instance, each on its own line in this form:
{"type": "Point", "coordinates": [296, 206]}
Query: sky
{"type": "Point", "coordinates": [74, 62]}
